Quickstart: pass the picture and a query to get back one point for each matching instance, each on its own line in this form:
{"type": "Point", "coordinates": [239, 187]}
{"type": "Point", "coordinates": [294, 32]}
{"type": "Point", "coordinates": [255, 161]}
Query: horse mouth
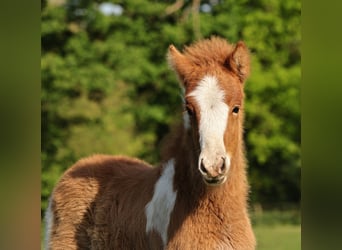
{"type": "Point", "coordinates": [215, 181]}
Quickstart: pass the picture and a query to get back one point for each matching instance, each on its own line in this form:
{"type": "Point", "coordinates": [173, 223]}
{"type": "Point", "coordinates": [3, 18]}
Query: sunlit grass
{"type": "Point", "coordinates": [278, 237]}
{"type": "Point", "coordinates": [277, 229]}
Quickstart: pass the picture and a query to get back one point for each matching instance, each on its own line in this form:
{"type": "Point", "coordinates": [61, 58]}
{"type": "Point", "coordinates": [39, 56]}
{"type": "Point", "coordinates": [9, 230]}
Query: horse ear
{"type": "Point", "coordinates": [177, 61]}
{"type": "Point", "coordinates": [239, 61]}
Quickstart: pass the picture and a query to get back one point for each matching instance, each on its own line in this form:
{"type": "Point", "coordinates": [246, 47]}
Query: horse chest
{"type": "Point", "coordinates": [198, 241]}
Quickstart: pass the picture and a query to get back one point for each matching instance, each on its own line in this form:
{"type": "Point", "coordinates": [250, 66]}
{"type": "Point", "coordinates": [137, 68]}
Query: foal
{"type": "Point", "coordinates": [195, 199]}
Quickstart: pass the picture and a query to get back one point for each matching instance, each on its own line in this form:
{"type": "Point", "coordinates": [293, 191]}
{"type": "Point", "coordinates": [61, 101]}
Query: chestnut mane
{"type": "Point", "coordinates": [208, 51]}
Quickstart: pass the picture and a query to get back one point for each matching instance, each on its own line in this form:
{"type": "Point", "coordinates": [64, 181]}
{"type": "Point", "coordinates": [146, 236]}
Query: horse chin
{"type": "Point", "coordinates": [215, 181]}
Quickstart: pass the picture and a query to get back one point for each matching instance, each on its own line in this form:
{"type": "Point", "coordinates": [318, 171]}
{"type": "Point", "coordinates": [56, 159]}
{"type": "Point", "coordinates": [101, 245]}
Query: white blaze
{"type": "Point", "coordinates": [159, 209]}
{"type": "Point", "coordinates": [214, 117]}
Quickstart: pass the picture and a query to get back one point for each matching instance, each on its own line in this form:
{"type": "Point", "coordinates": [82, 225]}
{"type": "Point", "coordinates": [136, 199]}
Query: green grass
{"type": "Point", "coordinates": [277, 229]}
{"type": "Point", "coordinates": [278, 237]}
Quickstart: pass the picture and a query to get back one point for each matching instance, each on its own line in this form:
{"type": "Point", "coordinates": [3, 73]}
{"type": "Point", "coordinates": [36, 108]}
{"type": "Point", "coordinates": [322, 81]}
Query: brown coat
{"type": "Point", "coordinates": [102, 201]}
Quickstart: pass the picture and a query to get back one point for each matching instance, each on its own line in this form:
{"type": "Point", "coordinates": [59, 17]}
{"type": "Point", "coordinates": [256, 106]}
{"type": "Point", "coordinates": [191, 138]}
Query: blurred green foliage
{"type": "Point", "coordinates": [106, 86]}
{"type": "Point", "coordinates": [276, 217]}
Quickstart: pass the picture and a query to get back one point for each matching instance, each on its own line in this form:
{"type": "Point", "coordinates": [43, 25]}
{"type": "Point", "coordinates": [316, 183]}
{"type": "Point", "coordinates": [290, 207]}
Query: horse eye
{"type": "Point", "coordinates": [236, 109]}
{"type": "Point", "coordinates": [189, 110]}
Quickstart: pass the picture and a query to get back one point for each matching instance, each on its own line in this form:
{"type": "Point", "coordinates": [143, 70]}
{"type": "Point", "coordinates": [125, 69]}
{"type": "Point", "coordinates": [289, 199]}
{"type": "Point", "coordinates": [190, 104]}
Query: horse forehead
{"type": "Point", "coordinates": [208, 91]}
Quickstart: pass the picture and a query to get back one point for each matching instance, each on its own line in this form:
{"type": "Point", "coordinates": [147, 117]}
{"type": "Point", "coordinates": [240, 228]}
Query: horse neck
{"type": "Point", "coordinates": [188, 180]}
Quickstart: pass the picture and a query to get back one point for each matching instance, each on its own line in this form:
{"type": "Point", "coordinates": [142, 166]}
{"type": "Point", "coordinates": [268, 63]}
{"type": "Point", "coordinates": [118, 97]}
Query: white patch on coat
{"type": "Point", "coordinates": [159, 209]}
{"type": "Point", "coordinates": [214, 117]}
{"type": "Point", "coordinates": [48, 225]}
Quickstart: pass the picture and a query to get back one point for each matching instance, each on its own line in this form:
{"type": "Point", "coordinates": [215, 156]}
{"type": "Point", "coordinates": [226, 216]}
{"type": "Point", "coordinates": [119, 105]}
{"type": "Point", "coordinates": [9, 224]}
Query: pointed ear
{"type": "Point", "coordinates": [239, 61]}
{"type": "Point", "coordinates": [177, 61]}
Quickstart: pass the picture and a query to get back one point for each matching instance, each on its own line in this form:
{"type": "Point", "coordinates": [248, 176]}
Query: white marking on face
{"type": "Point", "coordinates": [214, 118]}
{"type": "Point", "coordinates": [48, 225]}
{"type": "Point", "coordinates": [159, 209]}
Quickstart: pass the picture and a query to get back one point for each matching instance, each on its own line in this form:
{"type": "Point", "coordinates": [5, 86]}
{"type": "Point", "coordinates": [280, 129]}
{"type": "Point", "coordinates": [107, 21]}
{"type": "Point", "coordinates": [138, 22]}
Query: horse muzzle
{"type": "Point", "coordinates": [214, 171]}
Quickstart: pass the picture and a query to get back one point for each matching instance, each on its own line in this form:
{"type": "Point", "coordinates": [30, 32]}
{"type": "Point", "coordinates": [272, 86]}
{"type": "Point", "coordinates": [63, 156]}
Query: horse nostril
{"type": "Point", "coordinates": [202, 168]}
{"type": "Point", "coordinates": [223, 166]}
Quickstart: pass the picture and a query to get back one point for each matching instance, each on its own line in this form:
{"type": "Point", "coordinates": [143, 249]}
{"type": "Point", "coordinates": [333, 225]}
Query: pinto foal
{"type": "Point", "coordinates": [195, 199]}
